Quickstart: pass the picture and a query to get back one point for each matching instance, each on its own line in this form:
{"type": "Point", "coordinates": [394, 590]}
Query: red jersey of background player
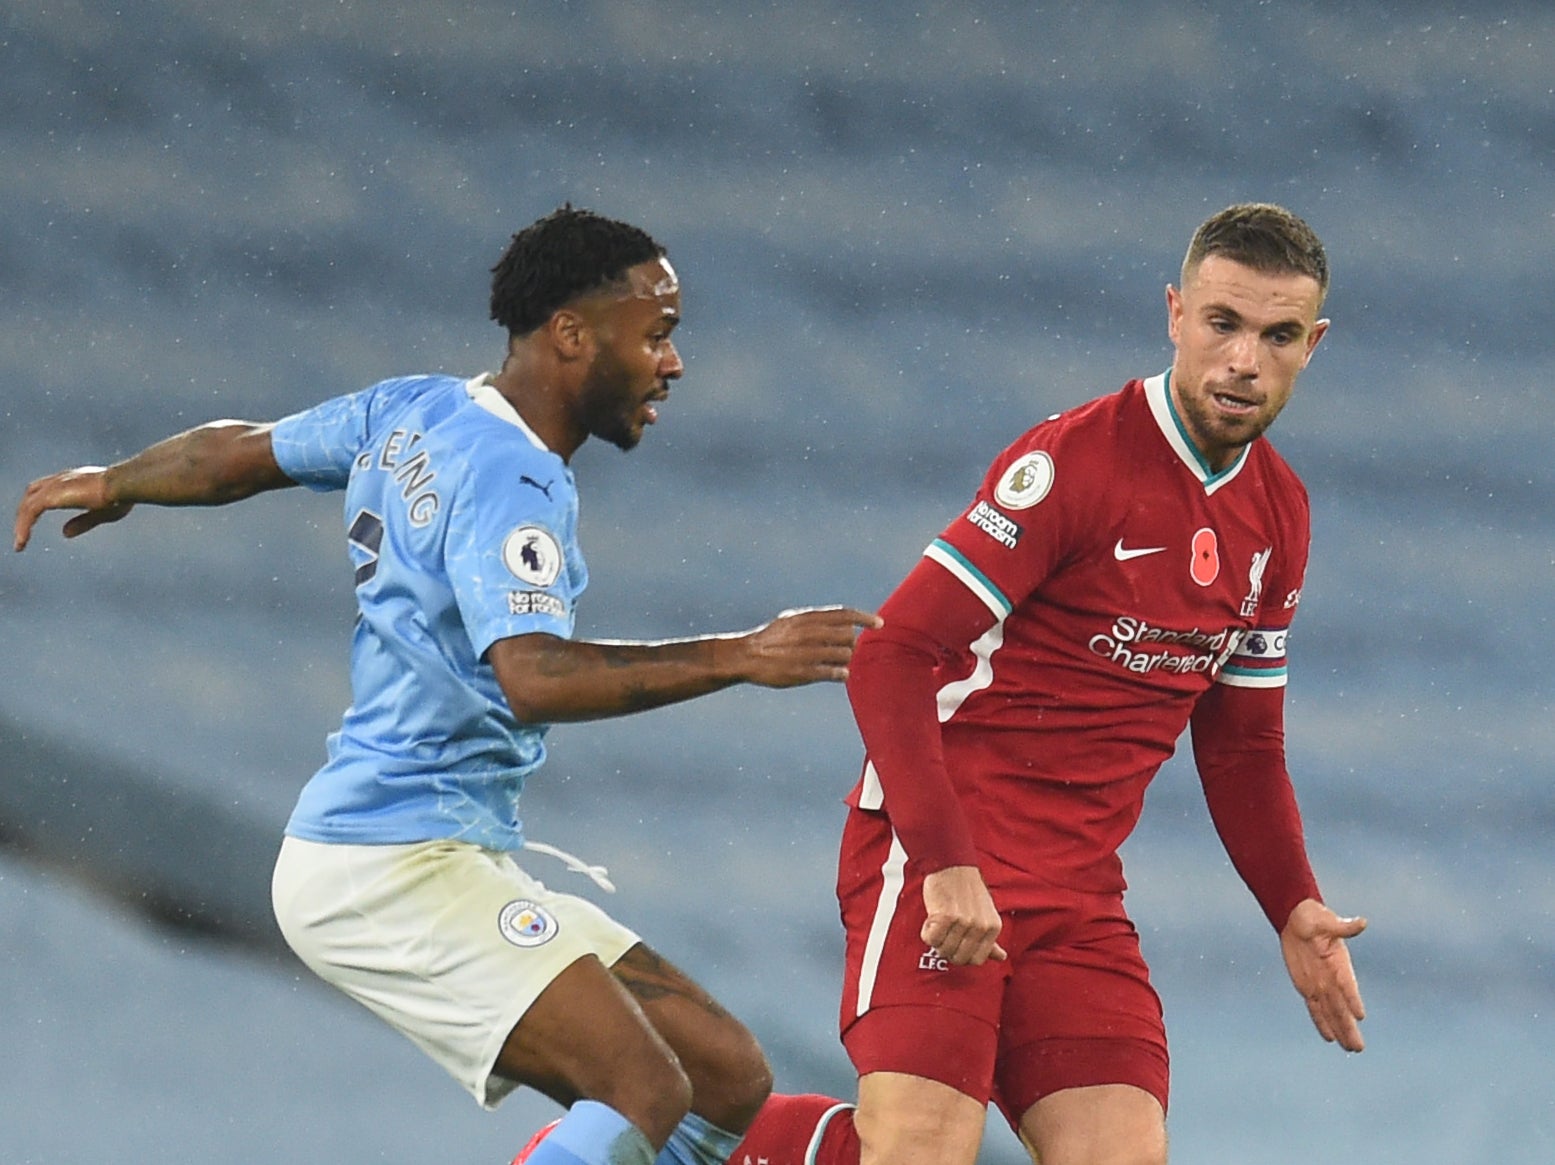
{"type": "Point", "coordinates": [1124, 578]}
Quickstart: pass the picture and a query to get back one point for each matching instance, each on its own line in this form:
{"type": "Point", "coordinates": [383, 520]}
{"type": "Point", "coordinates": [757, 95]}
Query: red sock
{"type": "Point", "coordinates": [783, 1131]}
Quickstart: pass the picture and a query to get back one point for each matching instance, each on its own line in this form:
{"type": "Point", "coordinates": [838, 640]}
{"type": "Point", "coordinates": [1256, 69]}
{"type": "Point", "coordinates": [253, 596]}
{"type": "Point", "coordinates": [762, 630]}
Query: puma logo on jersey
{"type": "Point", "coordinates": [525, 479]}
{"type": "Point", "coordinates": [1124, 553]}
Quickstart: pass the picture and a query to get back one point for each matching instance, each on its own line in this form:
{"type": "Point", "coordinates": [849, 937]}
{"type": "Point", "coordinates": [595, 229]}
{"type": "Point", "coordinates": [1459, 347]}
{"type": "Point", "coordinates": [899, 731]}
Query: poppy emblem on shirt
{"type": "Point", "coordinates": [1026, 482]}
{"type": "Point", "coordinates": [533, 555]}
{"type": "Point", "coordinates": [1205, 567]}
{"type": "Point", "coordinates": [526, 924]}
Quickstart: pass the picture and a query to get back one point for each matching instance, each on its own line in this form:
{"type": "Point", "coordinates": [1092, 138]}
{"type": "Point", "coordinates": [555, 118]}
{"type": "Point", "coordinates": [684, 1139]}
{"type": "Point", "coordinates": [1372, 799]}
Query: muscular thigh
{"type": "Point", "coordinates": [1079, 1010]}
{"type": "Point", "coordinates": [1099, 1122]}
{"type": "Point", "coordinates": [729, 1074]}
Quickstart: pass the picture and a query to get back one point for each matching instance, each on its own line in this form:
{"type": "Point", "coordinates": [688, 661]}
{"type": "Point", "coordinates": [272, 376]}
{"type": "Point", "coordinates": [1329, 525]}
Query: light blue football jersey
{"type": "Point", "coordinates": [462, 529]}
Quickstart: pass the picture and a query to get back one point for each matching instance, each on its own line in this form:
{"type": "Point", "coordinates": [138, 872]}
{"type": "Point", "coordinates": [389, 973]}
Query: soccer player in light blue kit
{"type": "Point", "coordinates": [398, 880]}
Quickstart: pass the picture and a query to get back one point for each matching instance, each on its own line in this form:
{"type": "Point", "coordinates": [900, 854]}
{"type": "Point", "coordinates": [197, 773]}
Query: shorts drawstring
{"type": "Point", "coordinates": [598, 874]}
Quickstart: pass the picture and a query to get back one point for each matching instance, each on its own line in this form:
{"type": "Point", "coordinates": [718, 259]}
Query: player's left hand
{"type": "Point", "coordinates": [1319, 965]}
{"type": "Point", "coordinates": [73, 489]}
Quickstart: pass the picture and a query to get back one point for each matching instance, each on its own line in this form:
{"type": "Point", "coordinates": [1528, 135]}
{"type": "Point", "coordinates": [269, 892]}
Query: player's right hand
{"type": "Point", "coordinates": [804, 646]}
{"type": "Point", "coordinates": [73, 489]}
{"type": "Point", "coordinates": [963, 923]}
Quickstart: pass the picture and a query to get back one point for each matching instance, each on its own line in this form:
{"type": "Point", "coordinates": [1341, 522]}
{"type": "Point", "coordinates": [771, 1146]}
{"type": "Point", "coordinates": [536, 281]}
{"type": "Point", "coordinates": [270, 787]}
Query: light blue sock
{"type": "Point", "coordinates": [594, 1134]}
{"type": "Point", "coordinates": [698, 1142]}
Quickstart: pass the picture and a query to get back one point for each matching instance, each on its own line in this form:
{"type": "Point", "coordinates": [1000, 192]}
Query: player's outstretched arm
{"type": "Point", "coordinates": [221, 462]}
{"type": "Point", "coordinates": [1313, 943]}
{"type": "Point", "coordinates": [549, 680]}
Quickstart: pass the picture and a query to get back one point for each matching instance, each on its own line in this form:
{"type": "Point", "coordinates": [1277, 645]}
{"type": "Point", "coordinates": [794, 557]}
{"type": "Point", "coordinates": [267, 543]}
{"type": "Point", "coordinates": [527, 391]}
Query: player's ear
{"type": "Point", "coordinates": [569, 333]}
{"type": "Point", "coordinates": [1316, 334]}
{"type": "Point", "coordinates": [1173, 311]}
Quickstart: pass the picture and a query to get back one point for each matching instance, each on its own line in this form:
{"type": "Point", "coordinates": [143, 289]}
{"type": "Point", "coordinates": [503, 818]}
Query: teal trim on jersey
{"type": "Point", "coordinates": [1209, 475]}
{"type": "Point", "coordinates": [975, 575]}
{"type": "Point", "coordinates": [1254, 671]}
{"type": "Point", "coordinates": [1253, 677]}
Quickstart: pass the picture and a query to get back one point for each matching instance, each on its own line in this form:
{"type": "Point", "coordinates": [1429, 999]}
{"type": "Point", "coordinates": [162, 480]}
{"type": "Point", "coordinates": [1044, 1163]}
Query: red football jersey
{"type": "Point", "coordinates": [1124, 578]}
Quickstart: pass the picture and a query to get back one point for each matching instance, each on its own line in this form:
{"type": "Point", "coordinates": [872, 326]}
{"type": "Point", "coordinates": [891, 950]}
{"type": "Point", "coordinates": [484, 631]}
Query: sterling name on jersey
{"type": "Point", "coordinates": [1124, 577]}
{"type": "Point", "coordinates": [462, 529]}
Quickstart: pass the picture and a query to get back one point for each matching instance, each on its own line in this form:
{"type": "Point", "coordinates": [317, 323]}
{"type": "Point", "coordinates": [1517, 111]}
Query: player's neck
{"type": "Point", "coordinates": [544, 404]}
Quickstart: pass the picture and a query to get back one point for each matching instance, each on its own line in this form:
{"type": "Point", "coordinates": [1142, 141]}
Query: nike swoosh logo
{"type": "Point", "coordinates": [1123, 553]}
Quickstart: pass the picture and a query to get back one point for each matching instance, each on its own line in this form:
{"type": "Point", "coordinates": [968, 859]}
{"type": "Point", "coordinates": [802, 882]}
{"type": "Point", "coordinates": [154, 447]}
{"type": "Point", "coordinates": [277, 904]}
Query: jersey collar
{"type": "Point", "coordinates": [1158, 394]}
{"type": "Point", "coordinates": [482, 393]}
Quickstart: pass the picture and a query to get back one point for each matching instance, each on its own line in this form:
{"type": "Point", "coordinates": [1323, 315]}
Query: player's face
{"type": "Point", "coordinates": [1242, 336]}
{"type": "Point", "coordinates": [634, 360]}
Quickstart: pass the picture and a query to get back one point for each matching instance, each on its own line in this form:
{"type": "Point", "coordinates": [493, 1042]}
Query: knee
{"type": "Point", "coordinates": [757, 1086]}
{"type": "Point", "coordinates": [654, 1098]}
{"type": "Point", "coordinates": [671, 1101]}
{"type": "Point", "coordinates": [751, 1081]}
{"type": "Point", "coordinates": [732, 1091]}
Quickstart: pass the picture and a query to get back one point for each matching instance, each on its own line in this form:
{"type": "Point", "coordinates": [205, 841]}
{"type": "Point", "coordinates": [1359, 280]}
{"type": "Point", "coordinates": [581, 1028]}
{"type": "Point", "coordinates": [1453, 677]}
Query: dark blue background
{"type": "Point", "coordinates": [905, 234]}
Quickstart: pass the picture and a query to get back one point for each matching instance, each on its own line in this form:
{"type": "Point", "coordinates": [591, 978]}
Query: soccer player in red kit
{"type": "Point", "coordinates": [1128, 569]}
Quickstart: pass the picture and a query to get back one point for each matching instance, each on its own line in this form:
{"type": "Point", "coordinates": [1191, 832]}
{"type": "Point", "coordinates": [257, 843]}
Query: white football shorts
{"type": "Point", "coordinates": [447, 942]}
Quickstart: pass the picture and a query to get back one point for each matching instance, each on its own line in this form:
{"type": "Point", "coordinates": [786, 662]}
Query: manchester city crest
{"type": "Point", "coordinates": [526, 924]}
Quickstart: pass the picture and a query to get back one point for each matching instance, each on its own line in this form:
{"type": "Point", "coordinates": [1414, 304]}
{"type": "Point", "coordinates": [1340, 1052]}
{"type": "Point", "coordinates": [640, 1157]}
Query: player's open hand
{"type": "Point", "coordinates": [74, 489]}
{"type": "Point", "coordinates": [963, 923]}
{"type": "Point", "coordinates": [1313, 943]}
{"type": "Point", "coordinates": [804, 646]}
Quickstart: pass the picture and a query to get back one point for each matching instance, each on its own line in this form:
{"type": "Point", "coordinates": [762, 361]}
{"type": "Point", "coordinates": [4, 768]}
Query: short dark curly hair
{"type": "Point", "coordinates": [568, 253]}
{"type": "Point", "coordinates": [1262, 236]}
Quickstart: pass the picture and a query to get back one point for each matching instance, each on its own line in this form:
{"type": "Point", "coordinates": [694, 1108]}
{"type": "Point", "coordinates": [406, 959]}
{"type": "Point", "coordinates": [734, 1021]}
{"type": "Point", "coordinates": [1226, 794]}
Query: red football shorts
{"type": "Point", "coordinates": [1072, 1006]}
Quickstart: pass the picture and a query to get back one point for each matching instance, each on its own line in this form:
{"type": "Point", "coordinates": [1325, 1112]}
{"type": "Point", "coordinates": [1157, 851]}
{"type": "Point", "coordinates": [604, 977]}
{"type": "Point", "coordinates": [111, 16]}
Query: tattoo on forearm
{"type": "Point", "coordinates": [613, 656]}
{"type": "Point", "coordinates": [567, 657]}
{"type": "Point", "coordinates": [635, 698]}
{"type": "Point", "coordinates": [639, 678]}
